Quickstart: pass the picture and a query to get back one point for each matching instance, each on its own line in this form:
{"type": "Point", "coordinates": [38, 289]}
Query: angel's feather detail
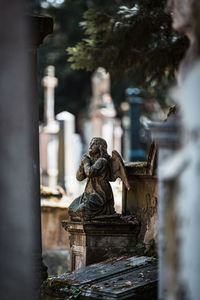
{"type": "Point", "coordinates": [118, 169]}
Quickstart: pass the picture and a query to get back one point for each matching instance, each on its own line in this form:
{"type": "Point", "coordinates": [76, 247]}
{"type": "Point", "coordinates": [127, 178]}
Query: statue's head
{"type": "Point", "coordinates": [98, 146]}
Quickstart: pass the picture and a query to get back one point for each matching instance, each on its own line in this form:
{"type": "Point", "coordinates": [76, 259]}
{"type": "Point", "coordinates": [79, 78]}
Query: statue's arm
{"type": "Point", "coordinates": [80, 174]}
{"type": "Point", "coordinates": [96, 169]}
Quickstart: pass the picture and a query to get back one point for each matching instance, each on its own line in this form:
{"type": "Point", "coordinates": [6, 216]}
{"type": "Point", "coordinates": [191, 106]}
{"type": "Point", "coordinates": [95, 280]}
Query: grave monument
{"type": "Point", "coordinates": [69, 153]}
{"type": "Point", "coordinates": [95, 229]}
{"type": "Point", "coordinates": [103, 121]}
{"type": "Point", "coordinates": [95, 238]}
{"type": "Point", "coordinates": [99, 168]}
{"type": "Point", "coordinates": [49, 132]}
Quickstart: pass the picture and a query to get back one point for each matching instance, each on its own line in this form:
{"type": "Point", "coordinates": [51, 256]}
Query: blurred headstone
{"type": "Point", "coordinates": [135, 100]}
{"type": "Point", "coordinates": [103, 121]}
{"type": "Point", "coordinates": [126, 130]}
{"type": "Point", "coordinates": [49, 132]}
{"type": "Point", "coordinates": [70, 148]}
{"type": "Point", "coordinates": [49, 82]}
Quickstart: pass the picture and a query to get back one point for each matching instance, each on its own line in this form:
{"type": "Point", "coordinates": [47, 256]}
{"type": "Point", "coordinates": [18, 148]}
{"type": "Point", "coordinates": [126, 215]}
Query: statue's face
{"type": "Point", "coordinates": [93, 149]}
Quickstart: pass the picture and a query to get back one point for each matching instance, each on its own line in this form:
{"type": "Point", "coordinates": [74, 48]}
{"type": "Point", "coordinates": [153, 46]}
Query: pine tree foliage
{"type": "Point", "coordinates": [136, 37]}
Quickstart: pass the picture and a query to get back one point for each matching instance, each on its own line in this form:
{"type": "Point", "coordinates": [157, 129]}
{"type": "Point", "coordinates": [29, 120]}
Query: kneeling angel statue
{"type": "Point", "coordinates": [99, 168]}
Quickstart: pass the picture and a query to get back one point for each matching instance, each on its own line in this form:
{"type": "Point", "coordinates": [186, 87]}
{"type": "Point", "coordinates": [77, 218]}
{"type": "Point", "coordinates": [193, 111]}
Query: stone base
{"type": "Point", "coordinates": [100, 238]}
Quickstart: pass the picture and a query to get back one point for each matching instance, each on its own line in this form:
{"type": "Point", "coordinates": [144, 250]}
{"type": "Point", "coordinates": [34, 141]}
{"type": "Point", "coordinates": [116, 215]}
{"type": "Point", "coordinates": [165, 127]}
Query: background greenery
{"type": "Point", "coordinates": [132, 39]}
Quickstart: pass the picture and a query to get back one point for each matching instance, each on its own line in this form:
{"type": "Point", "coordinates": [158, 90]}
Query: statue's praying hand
{"type": "Point", "coordinates": [99, 168]}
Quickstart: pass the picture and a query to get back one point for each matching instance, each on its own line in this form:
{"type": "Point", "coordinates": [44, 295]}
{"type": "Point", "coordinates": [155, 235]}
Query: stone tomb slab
{"type": "Point", "coordinates": [120, 278]}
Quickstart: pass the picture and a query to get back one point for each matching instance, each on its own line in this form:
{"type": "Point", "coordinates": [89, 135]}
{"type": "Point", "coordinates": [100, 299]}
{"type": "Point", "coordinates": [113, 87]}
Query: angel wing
{"type": "Point", "coordinates": [118, 169]}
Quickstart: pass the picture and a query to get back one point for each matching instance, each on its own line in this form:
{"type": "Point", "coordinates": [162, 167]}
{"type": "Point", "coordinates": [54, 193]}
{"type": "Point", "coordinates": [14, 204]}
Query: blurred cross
{"type": "Point", "coordinates": [49, 82]}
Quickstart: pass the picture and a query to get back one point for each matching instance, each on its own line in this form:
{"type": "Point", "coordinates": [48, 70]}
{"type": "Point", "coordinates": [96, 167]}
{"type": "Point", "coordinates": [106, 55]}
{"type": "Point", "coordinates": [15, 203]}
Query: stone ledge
{"type": "Point", "coordinates": [110, 223]}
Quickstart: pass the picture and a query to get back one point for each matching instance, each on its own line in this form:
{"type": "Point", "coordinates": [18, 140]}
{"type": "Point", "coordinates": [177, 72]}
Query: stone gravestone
{"type": "Point", "coordinates": [49, 132]}
{"type": "Point", "coordinates": [70, 148]}
{"type": "Point", "coordinates": [49, 82]}
{"type": "Point", "coordinates": [103, 122]}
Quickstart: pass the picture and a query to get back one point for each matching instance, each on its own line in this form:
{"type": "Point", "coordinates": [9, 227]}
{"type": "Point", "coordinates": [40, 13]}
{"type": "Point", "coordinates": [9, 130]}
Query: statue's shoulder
{"type": "Point", "coordinates": [101, 162]}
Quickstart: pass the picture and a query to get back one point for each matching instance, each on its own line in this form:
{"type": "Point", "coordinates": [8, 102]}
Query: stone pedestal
{"type": "Point", "coordinates": [95, 240]}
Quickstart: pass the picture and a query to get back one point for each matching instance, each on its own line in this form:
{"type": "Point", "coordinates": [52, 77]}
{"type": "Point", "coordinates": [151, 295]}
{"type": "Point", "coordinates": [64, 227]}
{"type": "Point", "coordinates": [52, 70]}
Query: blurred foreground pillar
{"type": "Point", "coordinates": [179, 173]}
{"type": "Point", "coordinates": [20, 230]}
{"type": "Point", "coordinates": [167, 137]}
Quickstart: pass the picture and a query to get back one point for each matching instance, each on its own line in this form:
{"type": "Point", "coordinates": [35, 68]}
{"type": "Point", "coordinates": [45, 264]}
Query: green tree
{"type": "Point", "coordinates": [133, 38]}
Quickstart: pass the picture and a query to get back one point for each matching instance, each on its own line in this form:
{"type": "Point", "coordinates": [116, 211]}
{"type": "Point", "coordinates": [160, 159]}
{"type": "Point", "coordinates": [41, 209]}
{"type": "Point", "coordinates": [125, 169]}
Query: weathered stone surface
{"type": "Point", "coordinates": [91, 241]}
{"type": "Point", "coordinates": [141, 199]}
{"type": "Point", "coordinates": [116, 279]}
{"type": "Point", "coordinates": [134, 283]}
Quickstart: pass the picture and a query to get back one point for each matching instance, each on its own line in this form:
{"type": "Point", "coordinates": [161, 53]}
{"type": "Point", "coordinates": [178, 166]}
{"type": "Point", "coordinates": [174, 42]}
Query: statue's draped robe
{"type": "Point", "coordinates": [97, 198]}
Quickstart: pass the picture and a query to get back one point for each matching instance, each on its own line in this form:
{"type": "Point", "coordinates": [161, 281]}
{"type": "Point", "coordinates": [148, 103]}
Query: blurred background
{"type": "Point", "coordinates": [101, 73]}
{"type": "Point", "coordinates": [107, 69]}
